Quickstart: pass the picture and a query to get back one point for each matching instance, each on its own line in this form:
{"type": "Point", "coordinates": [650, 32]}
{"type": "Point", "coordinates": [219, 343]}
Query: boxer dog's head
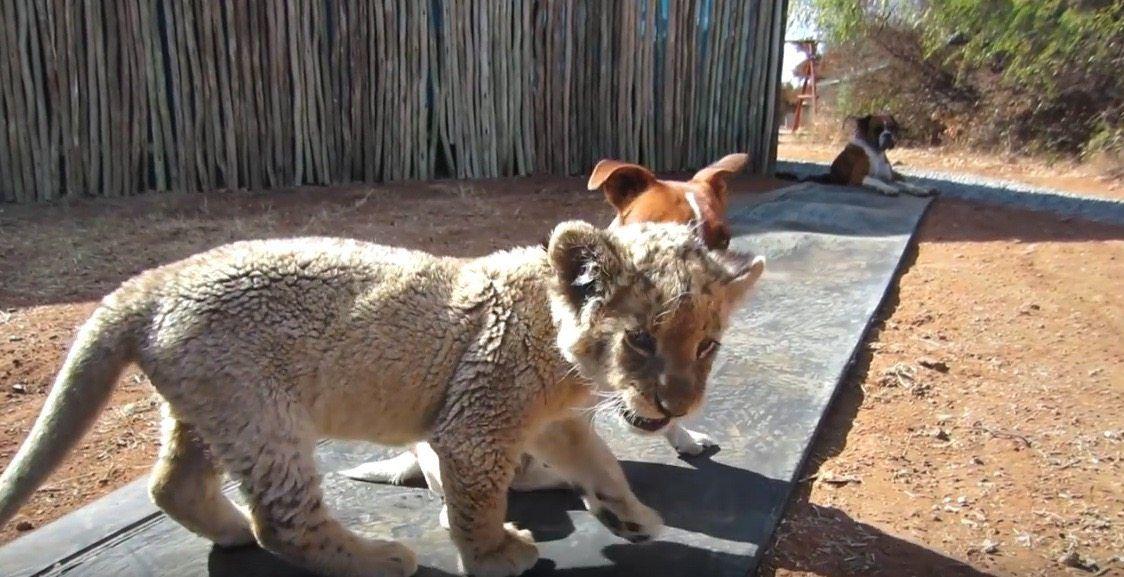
{"type": "Point", "coordinates": [880, 131]}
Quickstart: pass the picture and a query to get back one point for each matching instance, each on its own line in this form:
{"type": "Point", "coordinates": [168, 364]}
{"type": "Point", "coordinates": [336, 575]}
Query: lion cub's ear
{"type": "Point", "coordinates": [584, 259]}
{"type": "Point", "coordinates": [744, 271]}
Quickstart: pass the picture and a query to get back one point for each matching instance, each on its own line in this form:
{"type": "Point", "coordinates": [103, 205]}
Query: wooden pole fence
{"type": "Point", "coordinates": [114, 98]}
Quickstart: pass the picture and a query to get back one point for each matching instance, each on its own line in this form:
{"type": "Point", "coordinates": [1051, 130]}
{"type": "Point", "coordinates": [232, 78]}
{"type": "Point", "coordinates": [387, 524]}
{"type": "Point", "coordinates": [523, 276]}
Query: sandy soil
{"type": "Point", "coordinates": [980, 433]}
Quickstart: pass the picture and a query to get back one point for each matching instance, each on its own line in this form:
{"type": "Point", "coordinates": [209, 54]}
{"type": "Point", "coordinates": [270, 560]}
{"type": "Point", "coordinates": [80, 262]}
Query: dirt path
{"type": "Point", "coordinates": [982, 424]}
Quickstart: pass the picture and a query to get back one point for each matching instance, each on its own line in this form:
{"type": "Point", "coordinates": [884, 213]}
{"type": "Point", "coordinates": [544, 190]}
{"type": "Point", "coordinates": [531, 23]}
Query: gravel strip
{"type": "Point", "coordinates": [994, 191]}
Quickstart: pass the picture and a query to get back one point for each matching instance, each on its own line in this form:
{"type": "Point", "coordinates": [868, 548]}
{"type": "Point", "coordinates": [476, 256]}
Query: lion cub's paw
{"type": "Point", "coordinates": [231, 528]}
{"type": "Point", "coordinates": [405, 560]}
{"type": "Point", "coordinates": [235, 536]}
{"type": "Point", "coordinates": [636, 522]}
{"type": "Point", "coordinates": [692, 443]}
{"type": "Point", "coordinates": [389, 558]}
{"type": "Point", "coordinates": [515, 555]}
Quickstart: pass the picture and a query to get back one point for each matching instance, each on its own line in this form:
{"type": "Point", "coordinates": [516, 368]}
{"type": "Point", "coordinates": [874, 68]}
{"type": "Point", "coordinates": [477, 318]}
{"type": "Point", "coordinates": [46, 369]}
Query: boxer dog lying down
{"type": "Point", "coordinates": [863, 162]}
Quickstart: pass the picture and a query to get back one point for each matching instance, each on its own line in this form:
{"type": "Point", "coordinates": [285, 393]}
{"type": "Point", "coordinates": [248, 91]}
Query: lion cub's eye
{"type": "Point", "coordinates": [641, 341]}
{"type": "Point", "coordinates": [707, 347]}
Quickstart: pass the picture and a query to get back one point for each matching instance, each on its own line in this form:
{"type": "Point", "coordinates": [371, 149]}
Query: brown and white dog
{"type": "Point", "coordinates": [637, 196]}
{"type": "Point", "coordinates": [863, 161]}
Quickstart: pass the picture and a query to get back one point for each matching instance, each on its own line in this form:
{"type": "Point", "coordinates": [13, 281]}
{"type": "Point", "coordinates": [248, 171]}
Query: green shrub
{"type": "Point", "coordinates": [1039, 76]}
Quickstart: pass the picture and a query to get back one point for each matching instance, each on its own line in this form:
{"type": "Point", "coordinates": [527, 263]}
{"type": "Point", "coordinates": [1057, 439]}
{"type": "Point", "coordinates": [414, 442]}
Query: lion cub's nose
{"type": "Point", "coordinates": [675, 395]}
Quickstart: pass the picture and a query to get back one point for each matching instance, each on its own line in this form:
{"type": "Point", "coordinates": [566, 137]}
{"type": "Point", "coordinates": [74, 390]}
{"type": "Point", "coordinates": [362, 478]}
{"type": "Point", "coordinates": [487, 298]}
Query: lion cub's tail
{"type": "Point", "coordinates": [104, 345]}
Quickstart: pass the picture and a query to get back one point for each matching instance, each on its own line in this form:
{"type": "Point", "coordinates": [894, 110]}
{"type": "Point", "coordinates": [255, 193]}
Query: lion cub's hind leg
{"type": "Point", "coordinates": [275, 465]}
{"type": "Point", "coordinates": [186, 485]}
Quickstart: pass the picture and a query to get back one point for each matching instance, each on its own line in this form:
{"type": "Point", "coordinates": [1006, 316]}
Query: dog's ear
{"type": "Point", "coordinates": [583, 258]}
{"type": "Point", "coordinates": [859, 125]}
{"type": "Point", "coordinates": [716, 174]}
{"type": "Point", "coordinates": [862, 124]}
{"type": "Point", "coordinates": [621, 181]}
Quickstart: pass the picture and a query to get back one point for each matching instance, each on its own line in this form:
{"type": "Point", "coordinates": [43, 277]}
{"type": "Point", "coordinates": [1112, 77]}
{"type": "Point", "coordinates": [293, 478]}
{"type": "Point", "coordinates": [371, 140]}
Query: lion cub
{"type": "Point", "coordinates": [260, 348]}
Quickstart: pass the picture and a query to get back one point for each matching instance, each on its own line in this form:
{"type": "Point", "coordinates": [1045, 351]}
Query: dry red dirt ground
{"type": "Point", "coordinates": [980, 432]}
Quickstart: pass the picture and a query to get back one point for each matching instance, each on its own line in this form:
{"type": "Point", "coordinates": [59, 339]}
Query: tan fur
{"type": "Point", "coordinates": [638, 197]}
{"type": "Point", "coordinates": [260, 348]}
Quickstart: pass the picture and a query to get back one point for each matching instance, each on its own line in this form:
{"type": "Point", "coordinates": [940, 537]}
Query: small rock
{"type": "Point", "coordinates": [939, 433]}
{"type": "Point", "coordinates": [990, 547]}
{"type": "Point", "coordinates": [933, 364]}
{"type": "Point", "coordinates": [19, 388]}
{"type": "Point", "coordinates": [24, 526]}
{"type": "Point", "coordinates": [838, 480]}
{"type": "Point", "coordinates": [1076, 560]}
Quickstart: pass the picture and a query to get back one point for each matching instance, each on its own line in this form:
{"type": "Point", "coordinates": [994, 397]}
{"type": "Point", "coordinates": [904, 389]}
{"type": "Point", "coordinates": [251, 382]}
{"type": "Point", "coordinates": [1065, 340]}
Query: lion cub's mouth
{"type": "Point", "coordinates": [644, 423]}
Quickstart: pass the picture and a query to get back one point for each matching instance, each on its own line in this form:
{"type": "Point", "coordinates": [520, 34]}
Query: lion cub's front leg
{"type": "Point", "coordinates": [688, 442]}
{"type": "Point", "coordinates": [575, 451]}
{"type": "Point", "coordinates": [476, 472]}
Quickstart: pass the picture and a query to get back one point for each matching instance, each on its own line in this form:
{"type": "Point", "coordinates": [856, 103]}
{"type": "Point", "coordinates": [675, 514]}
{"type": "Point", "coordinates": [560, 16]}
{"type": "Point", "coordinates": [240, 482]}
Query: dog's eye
{"type": "Point", "coordinates": [707, 348]}
{"type": "Point", "coordinates": [641, 341]}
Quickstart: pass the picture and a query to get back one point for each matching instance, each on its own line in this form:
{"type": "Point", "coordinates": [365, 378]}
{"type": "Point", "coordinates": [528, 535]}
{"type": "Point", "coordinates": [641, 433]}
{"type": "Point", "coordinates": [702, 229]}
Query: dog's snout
{"type": "Point", "coordinates": [717, 237]}
{"type": "Point", "coordinates": [886, 140]}
{"type": "Point", "coordinates": [722, 239]}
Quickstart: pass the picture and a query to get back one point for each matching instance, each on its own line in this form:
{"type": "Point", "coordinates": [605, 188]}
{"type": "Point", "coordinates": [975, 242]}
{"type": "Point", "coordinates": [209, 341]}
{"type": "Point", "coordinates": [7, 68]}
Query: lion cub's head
{"type": "Point", "coordinates": [641, 310]}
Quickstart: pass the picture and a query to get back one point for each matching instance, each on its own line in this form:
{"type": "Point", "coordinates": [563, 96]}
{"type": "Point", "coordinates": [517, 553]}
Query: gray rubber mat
{"type": "Point", "coordinates": [977, 188]}
{"type": "Point", "coordinates": [833, 254]}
